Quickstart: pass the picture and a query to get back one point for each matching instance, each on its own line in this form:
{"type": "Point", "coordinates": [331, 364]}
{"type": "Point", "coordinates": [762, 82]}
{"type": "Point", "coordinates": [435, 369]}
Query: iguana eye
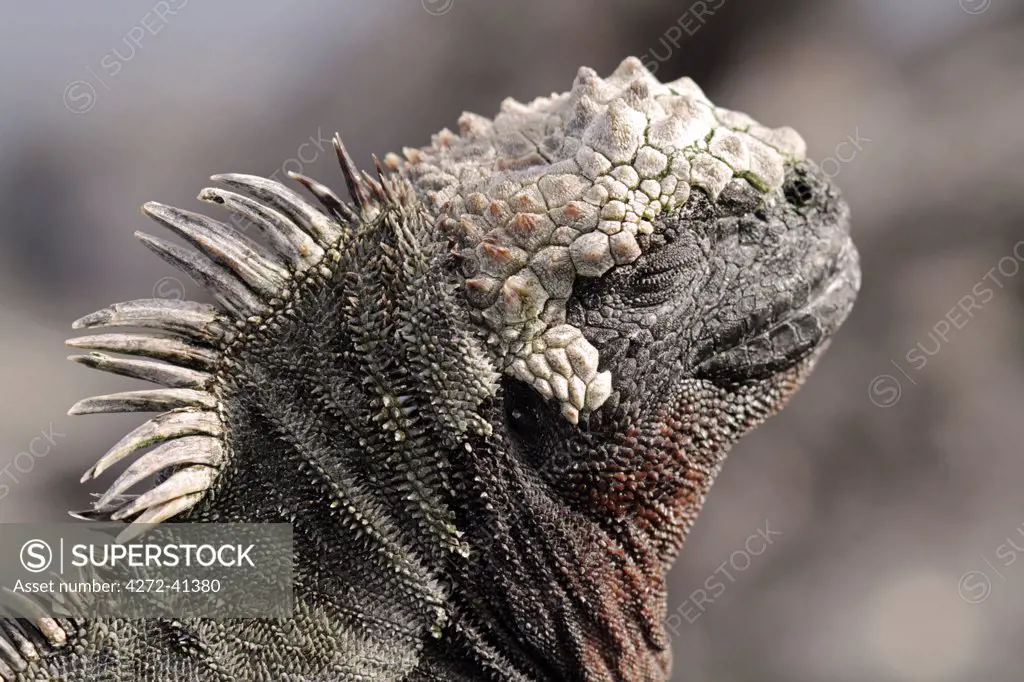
{"type": "Point", "coordinates": [660, 270]}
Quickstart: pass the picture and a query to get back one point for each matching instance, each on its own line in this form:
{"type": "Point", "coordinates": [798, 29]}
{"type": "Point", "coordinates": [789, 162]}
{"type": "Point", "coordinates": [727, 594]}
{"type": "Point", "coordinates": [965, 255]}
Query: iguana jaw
{"type": "Point", "coordinates": [787, 306]}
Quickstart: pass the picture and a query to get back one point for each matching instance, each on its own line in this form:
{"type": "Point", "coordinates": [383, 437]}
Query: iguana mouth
{"type": "Point", "coordinates": [774, 341]}
{"type": "Point", "coordinates": [833, 299]}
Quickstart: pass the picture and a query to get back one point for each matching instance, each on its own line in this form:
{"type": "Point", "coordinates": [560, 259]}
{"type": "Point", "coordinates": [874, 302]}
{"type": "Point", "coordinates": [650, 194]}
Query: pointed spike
{"type": "Point", "coordinates": [348, 168]}
{"type": "Point", "coordinates": [326, 196]}
{"type": "Point", "coordinates": [282, 235]}
{"type": "Point", "coordinates": [52, 630]}
{"type": "Point", "coordinates": [30, 610]}
{"type": "Point", "coordinates": [156, 346]}
{"type": "Point", "coordinates": [86, 515]}
{"type": "Point", "coordinates": [158, 514]}
{"type": "Point", "coordinates": [193, 479]}
{"type": "Point", "coordinates": [171, 376]}
{"type": "Point", "coordinates": [375, 187]}
{"type": "Point", "coordinates": [157, 400]}
{"type": "Point", "coordinates": [165, 427]}
{"type": "Point", "coordinates": [63, 616]}
{"type": "Point", "coordinates": [187, 450]}
{"type": "Point", "coordinates": [99, 513]}
{"type": "Point", "coordinates": [69, 612]}
{"type": "Point", "coordinates": [224, 246]}
{"type": "Point", "coordinates": [35, 636]}
{"type": "Point", "coordinates": [226, 288]}
{"type": "Point", "coordinates": [385, 181]}
{"type": "Point", "coordinates": [11, 661]}
{"type": "Point", "coordinates": [305, 215]}
{"type": "Point", "coordinates": [161, 428]}
{"type": "Point", "coordinates": [11, 630]}
{"type": "Point", "coordinates": [9, 651]}
{"type": "Point", "coordinates": [199, 321]}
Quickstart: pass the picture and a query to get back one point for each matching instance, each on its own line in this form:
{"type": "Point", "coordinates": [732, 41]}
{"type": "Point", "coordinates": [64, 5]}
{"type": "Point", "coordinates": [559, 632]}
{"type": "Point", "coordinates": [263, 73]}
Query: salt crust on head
{"type": "Point", "coordinates": [562, 187]}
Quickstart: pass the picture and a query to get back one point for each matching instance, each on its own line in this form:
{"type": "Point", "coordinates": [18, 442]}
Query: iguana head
{"type": "Point", "coordinates": [629, 214]}
{"type": "Point", "coordinates": [522, 347]}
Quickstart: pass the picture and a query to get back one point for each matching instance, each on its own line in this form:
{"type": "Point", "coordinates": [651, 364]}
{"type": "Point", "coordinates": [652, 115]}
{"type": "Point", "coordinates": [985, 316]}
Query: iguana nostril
{"type": "Point", "coordinates": [799, 193]}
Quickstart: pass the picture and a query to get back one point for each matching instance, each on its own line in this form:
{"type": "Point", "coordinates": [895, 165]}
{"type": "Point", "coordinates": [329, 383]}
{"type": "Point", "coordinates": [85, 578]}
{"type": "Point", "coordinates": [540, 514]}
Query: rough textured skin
{"type": "Point", "coordinates": [568, 187]}
{"type": "Point", "coordinates": [484, 485]}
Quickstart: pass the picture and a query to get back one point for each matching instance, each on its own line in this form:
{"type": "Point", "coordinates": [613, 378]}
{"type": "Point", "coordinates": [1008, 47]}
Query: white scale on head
{"type": "Point", "coordinates": [560, 188]}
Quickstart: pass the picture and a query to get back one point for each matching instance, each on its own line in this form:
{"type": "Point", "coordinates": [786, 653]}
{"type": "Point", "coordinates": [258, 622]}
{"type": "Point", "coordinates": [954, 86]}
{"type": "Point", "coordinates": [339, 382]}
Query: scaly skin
{"type": "Point", "coordinates": [387, 385]}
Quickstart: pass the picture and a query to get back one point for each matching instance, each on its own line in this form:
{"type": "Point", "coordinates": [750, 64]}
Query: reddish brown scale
{"type": "Point", "coordinates": [447, 138]}
{"type": "Point", "coordinates": [524, 202]}
{"type": "Point", "coordinates": [497, 253]}
{"type": "Point", "coordinates": [522, 226]}
{"type": "Point", "coordinates": [515, 291]}
{"type": "Point", "coordinates": [470, 230]}
{"type": "Point", "coordinates": [497, 211]}
{"type": "Point", "coordinates": [694, 475]}
{"type": "Point", "coordinates": [573, 211]}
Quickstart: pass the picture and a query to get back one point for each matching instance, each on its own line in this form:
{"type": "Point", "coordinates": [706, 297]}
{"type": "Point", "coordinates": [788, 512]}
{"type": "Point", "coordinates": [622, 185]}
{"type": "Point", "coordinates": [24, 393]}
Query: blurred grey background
{"type": "Point", "coordinates": [891, 488]}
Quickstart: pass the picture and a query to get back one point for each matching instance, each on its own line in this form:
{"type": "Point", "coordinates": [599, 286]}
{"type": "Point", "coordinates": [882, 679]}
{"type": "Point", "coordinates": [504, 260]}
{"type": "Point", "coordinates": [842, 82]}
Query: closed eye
{"type": "Point", "coordinates": [661, 271]}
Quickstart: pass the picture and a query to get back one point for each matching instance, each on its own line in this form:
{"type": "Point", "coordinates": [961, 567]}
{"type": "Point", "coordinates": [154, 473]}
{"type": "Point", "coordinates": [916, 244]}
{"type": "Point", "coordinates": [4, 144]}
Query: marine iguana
{"type": "Point", "coordinates": [490, 391]}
